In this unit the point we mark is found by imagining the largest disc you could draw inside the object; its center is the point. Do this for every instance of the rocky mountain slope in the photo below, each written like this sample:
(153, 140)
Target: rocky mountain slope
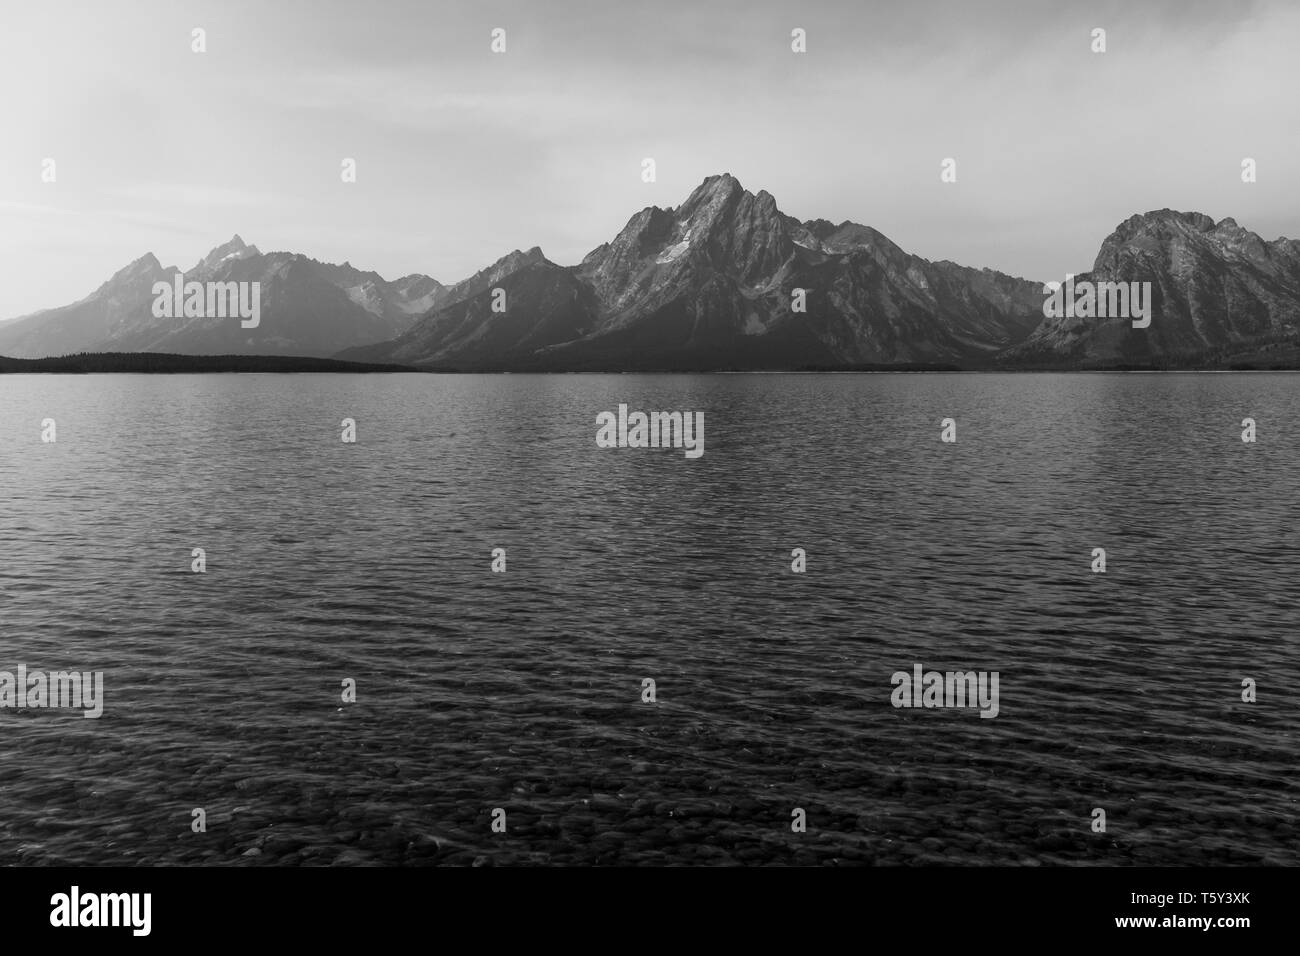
(1216, 289)
(712, 284)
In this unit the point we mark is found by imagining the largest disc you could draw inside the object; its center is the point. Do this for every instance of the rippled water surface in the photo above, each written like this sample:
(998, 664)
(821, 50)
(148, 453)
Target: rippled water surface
(522, 690)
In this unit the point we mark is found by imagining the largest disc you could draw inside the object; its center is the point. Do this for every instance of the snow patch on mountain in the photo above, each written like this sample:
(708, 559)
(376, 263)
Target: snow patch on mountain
(676, 252)
(367, 296)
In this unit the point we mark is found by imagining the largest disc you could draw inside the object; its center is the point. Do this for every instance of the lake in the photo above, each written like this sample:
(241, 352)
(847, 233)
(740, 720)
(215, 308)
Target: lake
(372, 562)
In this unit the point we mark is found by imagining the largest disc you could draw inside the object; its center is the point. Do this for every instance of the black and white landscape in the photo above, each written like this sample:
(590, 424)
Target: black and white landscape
(958, 587)
(707, 286)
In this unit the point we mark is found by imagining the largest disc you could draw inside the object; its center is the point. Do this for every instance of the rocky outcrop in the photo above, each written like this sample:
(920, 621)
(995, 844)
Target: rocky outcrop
(1216, 289)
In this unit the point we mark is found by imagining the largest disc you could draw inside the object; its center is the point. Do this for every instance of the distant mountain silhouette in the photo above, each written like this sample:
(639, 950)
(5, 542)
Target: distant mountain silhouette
(308, 308)
(713, 285)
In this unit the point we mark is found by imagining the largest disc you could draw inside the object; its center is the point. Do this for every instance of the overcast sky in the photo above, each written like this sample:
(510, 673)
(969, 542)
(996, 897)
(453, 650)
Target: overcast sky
(463, 155)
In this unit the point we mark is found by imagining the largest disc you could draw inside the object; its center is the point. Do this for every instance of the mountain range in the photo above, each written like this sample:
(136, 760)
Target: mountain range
(309, 308)
(717, 283)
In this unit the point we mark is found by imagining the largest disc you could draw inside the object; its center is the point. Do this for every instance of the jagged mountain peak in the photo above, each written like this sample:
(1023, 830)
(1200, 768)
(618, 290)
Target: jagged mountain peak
(417, 280)
(1162, 221)
(236, 244)
(146, 264)
(717, 184)
(516, 257)
(513, 261)
(712, 197)
(236, 248)
(509, 264)
(1155, 230)
(824, 228)
(713, 207)
(141, 272)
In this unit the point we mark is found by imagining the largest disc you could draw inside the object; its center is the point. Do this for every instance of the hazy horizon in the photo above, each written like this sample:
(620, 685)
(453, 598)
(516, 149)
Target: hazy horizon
(464, 155)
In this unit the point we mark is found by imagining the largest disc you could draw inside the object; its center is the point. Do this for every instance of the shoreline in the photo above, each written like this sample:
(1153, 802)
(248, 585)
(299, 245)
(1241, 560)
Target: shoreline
(156, 363)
